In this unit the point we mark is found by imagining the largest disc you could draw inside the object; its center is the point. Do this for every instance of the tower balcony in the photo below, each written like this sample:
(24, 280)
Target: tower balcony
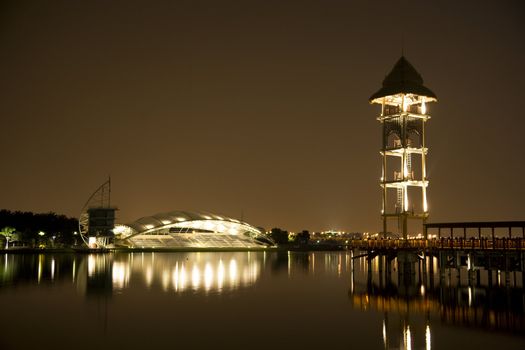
(413, 105)
(398, 152)
(404, 183)
(410, 214)
(385, 117)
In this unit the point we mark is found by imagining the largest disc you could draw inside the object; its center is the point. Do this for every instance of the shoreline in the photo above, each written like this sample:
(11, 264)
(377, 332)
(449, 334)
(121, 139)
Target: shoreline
(84, 250)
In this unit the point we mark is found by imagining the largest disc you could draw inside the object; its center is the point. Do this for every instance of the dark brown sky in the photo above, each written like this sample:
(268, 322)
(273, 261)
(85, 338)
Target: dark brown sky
(259, 106)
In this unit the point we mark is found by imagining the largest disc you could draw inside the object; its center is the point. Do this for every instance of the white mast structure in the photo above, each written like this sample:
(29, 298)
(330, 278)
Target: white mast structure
(404, 112)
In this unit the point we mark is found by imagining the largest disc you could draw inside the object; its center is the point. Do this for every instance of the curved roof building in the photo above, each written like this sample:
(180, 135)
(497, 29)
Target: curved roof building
(183, 229)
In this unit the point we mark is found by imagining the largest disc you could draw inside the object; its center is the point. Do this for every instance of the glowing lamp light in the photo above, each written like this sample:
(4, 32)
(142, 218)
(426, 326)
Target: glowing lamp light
(41, 233)
(119, 229)
(423, 107)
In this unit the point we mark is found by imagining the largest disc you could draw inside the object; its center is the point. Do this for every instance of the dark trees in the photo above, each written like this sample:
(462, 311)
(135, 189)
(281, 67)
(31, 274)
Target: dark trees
(279, 236)
(28, 225)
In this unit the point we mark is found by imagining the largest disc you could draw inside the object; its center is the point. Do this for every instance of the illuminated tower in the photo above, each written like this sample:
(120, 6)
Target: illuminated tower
(403, 100)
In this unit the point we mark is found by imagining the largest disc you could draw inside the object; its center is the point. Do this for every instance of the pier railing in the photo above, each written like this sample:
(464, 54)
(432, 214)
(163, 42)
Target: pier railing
(443, 243)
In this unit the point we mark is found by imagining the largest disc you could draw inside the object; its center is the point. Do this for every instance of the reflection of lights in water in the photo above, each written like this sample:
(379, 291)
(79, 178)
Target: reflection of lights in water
(165, 280)
(195, 277)
(255, 272)
(182, 278)
(469, 296)
(208, 276)
(427, 338)
(149, 276)
(40, 259)
(120, 275)
(245, 275)
(52, 269)
(175, 277)
(422, 290)
(193, 271)
(384, 332)
(220, 275)
(289, 263)
(408, 338)
(233, 272)
(352, 271)
(204, 276)
(74, 269)
(91, 265)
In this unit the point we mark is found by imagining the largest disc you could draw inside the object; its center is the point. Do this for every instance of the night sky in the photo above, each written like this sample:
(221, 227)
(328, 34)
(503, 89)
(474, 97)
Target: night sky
(258, 107)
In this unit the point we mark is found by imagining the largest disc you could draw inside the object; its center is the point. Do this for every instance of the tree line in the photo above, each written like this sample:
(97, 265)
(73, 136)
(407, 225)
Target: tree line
(34, 229)
(281, 237)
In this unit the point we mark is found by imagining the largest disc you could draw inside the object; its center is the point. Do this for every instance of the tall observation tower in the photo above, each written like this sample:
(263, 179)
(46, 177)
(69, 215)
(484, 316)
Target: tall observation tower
(403, 100)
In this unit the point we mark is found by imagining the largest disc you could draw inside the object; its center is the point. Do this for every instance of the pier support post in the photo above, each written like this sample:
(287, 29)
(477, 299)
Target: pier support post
(407, 261)
(441, 261)
(380, 266)
(471, 271)
(507, 273)
(431, 272)
(388, 275)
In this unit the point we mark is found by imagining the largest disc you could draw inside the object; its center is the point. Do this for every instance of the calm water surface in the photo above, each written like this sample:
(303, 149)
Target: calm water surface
(252, 300)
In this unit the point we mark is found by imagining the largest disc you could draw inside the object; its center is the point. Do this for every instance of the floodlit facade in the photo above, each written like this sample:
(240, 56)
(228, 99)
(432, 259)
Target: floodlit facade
(404, 112)
(181, 229)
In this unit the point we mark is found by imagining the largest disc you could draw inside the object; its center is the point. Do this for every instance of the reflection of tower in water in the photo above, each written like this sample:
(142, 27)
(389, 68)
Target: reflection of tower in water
(414, 292)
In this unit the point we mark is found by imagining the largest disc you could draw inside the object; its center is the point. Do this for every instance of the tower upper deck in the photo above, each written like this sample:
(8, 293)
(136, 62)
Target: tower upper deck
(403, 86)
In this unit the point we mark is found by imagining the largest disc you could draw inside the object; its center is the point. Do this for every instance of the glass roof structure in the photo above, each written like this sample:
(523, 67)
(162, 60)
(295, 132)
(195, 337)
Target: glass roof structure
(181, 229)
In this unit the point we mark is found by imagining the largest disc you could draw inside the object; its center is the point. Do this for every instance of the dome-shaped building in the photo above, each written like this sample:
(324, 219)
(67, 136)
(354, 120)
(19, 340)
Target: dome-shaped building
(183, 229)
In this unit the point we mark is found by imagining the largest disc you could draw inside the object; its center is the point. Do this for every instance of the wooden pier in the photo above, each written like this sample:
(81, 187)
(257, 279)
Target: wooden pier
(473, 236)
(459, 243)
(479, 228)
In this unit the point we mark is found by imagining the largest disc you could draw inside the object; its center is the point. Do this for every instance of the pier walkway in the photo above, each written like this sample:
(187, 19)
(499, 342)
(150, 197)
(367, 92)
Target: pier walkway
(495, 235)
(439, 244)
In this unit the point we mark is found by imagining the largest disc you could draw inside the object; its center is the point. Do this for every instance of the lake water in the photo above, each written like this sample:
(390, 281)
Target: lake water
(247, 300)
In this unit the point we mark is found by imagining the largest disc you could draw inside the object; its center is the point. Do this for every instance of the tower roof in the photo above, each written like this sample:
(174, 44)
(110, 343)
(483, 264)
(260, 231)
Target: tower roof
(403, 79)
